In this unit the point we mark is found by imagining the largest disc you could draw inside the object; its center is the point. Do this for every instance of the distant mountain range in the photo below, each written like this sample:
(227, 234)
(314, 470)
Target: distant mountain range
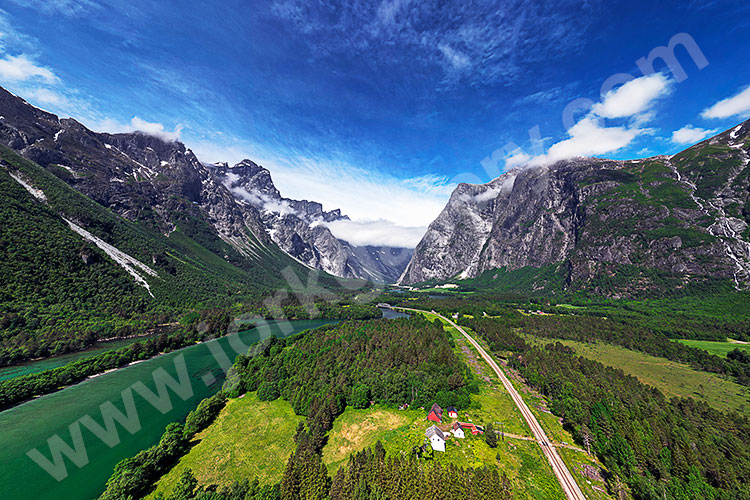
(590, 221)
(186, 230)
(163, 185)
(298, 227)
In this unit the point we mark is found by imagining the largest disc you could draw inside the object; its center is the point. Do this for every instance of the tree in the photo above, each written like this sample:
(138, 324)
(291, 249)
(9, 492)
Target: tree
(360, 396)
(185, 488)
(586, 437)
(268, 391)
(490, 436)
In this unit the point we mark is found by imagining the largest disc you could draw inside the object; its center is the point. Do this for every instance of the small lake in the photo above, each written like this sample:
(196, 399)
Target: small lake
(32, 424)
(392, 313)
(57, 361)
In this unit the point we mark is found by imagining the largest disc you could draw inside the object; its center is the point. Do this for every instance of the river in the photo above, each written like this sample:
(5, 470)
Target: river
(57, 417)
(392, 313)
(56, 361)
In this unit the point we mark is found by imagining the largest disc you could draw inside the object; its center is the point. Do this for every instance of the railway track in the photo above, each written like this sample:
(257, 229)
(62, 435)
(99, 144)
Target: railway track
(569, 486)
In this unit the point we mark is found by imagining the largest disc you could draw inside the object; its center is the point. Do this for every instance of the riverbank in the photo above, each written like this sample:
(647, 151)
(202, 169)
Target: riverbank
(38, 365)
(59, 413)
(18, 390)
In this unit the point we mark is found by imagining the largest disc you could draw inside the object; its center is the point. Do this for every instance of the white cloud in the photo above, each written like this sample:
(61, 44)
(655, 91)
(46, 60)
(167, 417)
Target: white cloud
(632, 101)
(376, 232)
(389, 9)
(689, 134)
(516, 158)
(11, 38)
(47, 96)
(156, 129)
(65, 7)
(457, 59)
(137, 124)
(737, 105)
(633, 98)
(362, 194)
(588, 137)
(20, 68)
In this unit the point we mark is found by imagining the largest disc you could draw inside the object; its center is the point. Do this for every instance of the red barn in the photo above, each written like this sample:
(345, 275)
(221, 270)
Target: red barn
(435, 414)
(468, 426)
(452, 412)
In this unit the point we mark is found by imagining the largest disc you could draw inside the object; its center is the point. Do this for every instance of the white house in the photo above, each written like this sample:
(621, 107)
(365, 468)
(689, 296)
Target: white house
(436, 437)
(458, 431)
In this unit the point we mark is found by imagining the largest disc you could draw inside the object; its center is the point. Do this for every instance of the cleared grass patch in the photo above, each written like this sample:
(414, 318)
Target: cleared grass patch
(250, 438)
(493, 401)
(355, 430)
(717, 348)
(671, 378)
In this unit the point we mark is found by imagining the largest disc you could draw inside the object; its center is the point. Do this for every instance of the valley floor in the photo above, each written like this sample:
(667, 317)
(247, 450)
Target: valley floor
(252, 439)
(671, 378)
(500, 409)
(717, 348)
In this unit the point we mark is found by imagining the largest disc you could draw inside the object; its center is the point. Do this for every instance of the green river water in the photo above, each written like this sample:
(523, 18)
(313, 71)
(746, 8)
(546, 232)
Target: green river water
(30, 425)
(57, 361)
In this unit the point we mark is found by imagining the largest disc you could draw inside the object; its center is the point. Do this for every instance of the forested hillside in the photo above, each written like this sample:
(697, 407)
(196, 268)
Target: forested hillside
(61, 291)
(659, 448)
(389, 362)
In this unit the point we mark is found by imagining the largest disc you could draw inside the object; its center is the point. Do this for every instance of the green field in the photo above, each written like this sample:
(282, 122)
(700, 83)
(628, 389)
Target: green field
(671, 378)
(355, 430)
(249, 439)
(717, 348)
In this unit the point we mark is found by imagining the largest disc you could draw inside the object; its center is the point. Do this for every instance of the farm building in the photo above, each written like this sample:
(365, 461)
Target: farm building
(435, 414)
(452, 412)
(458, 431)
(468, 426)
(436, 437)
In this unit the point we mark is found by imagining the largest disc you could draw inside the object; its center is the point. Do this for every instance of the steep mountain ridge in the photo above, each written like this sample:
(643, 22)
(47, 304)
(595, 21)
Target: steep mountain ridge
(685, 215)
(141, 177)
(163, 185)
(74, 271)
(299, 227)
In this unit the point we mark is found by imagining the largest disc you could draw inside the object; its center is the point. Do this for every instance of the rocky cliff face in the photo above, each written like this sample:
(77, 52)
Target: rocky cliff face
(162, 184)
(298, 227)
(685, 215)
(141, 177)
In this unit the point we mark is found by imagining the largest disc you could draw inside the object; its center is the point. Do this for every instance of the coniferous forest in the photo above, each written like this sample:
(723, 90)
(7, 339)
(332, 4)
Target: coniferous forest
(652, 447)
(660, 448)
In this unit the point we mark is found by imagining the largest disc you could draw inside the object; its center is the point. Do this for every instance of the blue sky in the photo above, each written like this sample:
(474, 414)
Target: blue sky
(379, 108)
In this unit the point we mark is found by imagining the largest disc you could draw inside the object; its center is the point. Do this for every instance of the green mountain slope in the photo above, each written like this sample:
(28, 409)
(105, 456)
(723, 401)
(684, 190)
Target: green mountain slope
(61, 292)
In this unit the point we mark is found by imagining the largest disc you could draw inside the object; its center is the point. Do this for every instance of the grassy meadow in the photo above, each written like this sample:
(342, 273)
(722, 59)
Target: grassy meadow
(671, 378)
(250, 438)
(717, 348)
